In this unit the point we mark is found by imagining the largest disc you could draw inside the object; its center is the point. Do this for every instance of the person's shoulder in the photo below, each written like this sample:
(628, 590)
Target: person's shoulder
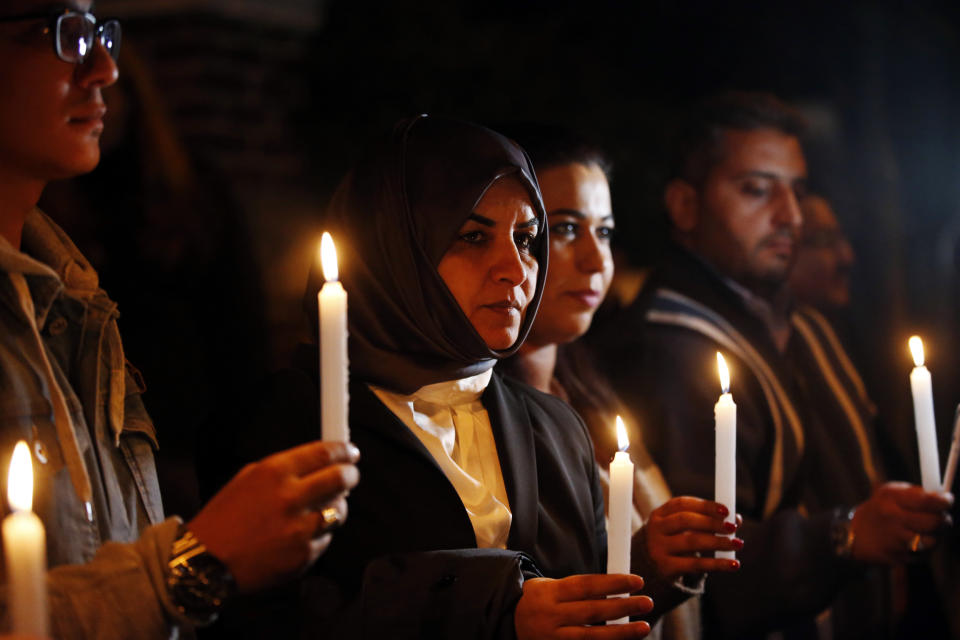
(546, 411)
(532, 396)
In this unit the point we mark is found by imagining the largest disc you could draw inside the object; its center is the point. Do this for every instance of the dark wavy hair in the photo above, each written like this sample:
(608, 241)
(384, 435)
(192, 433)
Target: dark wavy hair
(551, 145)
(698, 141)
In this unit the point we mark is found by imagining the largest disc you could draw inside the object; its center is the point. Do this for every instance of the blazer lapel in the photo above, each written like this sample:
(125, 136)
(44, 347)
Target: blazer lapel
(372, 415)
(516, 449)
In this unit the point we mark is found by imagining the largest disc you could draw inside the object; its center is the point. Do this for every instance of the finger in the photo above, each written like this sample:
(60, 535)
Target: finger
(922, 521)
(692, 521)
(926, 543)
(317, 548)
(597, 611)
(332, 516)
(312, 456)
(694, 564)
(325, 485)
(696, 505)
(913, 498)
(595, 585)
(692, 542)
(638, 629)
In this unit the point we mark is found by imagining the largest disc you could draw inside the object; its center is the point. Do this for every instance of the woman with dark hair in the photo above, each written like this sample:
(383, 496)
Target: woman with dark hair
(670, 532)
(473, 486)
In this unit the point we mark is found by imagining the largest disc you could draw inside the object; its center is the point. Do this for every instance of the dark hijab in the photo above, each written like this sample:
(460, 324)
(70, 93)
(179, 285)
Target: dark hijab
(393, 218)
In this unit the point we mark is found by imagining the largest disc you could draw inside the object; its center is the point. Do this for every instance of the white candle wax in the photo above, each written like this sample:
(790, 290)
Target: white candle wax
(922, 389)
(725, 465)
(332, 303)
(619, 510)
(24, 547)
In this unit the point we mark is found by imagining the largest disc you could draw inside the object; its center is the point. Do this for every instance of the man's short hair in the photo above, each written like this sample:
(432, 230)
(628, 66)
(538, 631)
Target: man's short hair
(698, 146)
(553, 145)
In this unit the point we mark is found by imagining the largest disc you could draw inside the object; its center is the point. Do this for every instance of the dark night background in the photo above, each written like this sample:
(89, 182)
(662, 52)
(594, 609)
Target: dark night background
(234, 120)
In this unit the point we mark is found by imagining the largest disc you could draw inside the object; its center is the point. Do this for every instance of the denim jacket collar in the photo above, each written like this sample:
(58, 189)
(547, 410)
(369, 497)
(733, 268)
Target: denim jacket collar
(51, 264)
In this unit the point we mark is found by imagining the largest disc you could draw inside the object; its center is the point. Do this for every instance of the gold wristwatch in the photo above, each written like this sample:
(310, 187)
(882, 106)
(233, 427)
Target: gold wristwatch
(198, 582)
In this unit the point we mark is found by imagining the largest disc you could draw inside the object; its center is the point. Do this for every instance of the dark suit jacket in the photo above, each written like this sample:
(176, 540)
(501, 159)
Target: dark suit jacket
(666, 374)
(405, 563)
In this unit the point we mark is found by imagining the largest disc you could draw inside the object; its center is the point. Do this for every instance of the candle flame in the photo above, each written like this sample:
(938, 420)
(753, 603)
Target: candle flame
(328, 258)
(622, 440)
(916, 348)
(724, 373)
(20, 479)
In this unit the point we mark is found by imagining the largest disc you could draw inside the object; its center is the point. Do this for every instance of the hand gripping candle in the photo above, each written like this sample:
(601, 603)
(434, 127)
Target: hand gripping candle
(922, 389)
(332, 304)
(725, 466)
(24, 545)
(619, 531)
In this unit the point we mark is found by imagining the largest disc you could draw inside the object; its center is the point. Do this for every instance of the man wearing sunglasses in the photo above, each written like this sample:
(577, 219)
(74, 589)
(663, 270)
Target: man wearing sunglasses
(118, 569)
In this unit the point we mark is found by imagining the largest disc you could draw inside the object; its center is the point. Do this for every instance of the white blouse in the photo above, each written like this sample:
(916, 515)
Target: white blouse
(452, 424)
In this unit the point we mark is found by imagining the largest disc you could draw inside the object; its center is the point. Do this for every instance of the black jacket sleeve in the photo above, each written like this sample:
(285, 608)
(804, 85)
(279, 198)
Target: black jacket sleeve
(464, 593)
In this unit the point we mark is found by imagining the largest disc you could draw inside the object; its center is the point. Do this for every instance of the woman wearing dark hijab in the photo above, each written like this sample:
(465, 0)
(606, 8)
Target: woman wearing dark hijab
(472, 486)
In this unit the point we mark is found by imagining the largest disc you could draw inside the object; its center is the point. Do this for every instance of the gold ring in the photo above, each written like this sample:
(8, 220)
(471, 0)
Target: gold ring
(916, 545)
(331, 518)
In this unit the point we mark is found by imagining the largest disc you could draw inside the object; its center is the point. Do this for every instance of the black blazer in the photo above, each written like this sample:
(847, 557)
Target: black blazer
(404, 510)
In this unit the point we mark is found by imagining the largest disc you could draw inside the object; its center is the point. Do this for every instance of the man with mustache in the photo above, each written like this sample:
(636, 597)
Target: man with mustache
(817, 520)
(119, 568)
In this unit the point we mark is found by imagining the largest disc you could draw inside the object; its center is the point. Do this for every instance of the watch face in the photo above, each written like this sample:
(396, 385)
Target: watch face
(198, 582)
(841, 534)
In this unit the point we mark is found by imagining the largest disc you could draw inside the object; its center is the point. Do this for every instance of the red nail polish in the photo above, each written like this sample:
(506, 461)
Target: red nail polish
(729, 527)
(735, 564)
(738, 543)
(722, 510)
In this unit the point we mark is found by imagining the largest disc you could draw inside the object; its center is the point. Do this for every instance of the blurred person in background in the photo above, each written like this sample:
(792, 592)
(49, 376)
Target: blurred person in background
(820, 522)
(821, 275)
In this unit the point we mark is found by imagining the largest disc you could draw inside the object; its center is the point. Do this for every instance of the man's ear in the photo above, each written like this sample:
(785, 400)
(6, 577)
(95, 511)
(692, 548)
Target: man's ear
(681, 201)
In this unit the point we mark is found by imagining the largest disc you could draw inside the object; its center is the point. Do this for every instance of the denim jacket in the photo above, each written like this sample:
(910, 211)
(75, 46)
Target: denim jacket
(67, 390)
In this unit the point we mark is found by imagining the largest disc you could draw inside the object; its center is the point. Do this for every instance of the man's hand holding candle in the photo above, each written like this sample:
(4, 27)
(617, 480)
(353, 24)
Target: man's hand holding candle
(268, 522)
(885, 526)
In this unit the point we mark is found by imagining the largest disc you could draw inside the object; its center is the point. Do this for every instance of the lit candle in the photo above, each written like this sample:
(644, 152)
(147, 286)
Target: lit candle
(24, 545)
(332, 302)
(725, 465)
(619, 510)
(922, 390)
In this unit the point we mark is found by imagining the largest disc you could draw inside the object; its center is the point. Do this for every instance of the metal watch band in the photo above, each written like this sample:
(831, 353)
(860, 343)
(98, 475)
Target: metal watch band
(198, 582)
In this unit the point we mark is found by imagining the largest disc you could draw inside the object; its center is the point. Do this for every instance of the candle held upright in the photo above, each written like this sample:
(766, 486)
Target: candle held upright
(619, 529)
(24, 546)
(922, 389)
(332, 304)
(725, 466)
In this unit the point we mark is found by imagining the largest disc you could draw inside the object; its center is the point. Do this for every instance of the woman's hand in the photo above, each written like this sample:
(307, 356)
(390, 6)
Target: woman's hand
(562, 608)
(684, 526)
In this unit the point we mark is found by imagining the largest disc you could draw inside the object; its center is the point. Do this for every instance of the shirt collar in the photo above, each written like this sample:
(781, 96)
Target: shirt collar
(774, 315)
(454, 392)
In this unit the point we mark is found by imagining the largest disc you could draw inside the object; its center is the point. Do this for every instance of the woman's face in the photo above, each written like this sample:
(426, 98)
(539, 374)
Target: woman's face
(490, 268)
(577, 200)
